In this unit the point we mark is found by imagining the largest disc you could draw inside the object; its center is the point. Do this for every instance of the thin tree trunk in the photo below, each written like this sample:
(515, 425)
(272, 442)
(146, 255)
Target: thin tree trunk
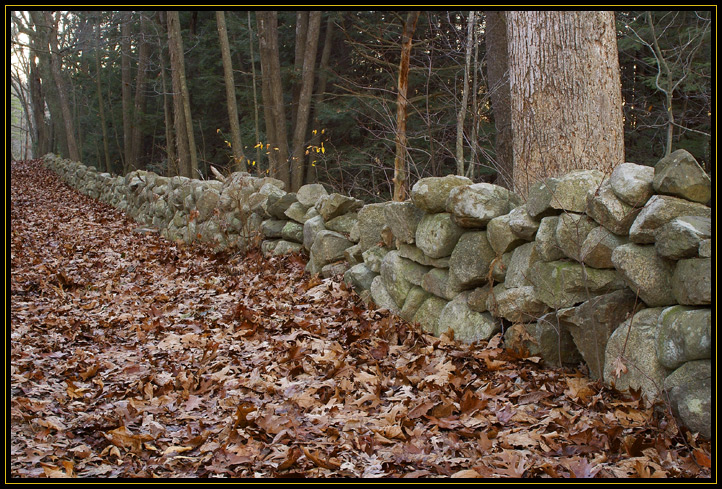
(101, 105)
(461, 116)
(565, 93)
(302, 17)
(172, 165)
(239, 158)
(139, 104)
(400, 165)
(181, 130)
(255, 96)
(497, 70)
(304, 101)
(125, 91)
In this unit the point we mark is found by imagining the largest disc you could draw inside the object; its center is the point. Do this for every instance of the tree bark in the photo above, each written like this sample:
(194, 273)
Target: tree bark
(400, 166)
(273, 96)
(172, 167)
(461, 116)
(136, 142)
(255, 97)
(565, 93)
(304, 100)
(125, 91)
(302, 27)
(497, 72)
(101, 105)
(179, 77)
(239, 158)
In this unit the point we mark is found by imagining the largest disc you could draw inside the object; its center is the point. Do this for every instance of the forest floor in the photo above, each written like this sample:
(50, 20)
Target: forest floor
(135, 357)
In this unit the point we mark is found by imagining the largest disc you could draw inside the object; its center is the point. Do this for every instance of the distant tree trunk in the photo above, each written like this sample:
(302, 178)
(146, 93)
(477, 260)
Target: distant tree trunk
(101, 105)
(239, 158)
(55, 64)
(497, 72)
(255, 96)
(172, 165)
(320, 91)
(179, 122)
(37, 101)
(136, 142)
(304, 100)
(400, 166)
(299, 50)
(273, 95)
(565, 93)
(461, 116)
(125, 91)
(180, 87)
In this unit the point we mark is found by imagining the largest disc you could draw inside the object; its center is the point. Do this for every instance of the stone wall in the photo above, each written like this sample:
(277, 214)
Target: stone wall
(612, 270)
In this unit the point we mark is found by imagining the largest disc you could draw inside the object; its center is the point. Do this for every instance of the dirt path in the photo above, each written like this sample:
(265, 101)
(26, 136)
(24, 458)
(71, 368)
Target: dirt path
(135, 357)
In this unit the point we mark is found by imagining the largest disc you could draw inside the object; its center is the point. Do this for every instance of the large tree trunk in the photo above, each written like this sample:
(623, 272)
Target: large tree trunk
(55, 64)
(180, 89)
(302, 17)
(239, 158)
(136, 142)
(172, 167)
(37, 101)
(273, 96)
(179, 122)
(304, 100)
(565, 93)
(400, 165)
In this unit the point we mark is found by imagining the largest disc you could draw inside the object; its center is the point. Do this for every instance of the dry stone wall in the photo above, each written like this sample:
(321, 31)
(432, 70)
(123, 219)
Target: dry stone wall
(611, 270)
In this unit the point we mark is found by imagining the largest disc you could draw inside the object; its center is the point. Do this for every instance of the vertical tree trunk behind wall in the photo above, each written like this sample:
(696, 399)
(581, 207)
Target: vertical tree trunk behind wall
(179, 118)
(126, 90)
(139, 104)
(565, 93)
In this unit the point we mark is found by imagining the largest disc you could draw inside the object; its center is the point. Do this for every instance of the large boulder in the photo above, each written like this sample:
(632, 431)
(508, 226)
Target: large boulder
(680, 175)
(470, 260)
(521, 224)
(276, 206)
(522, 258)
(343, 223)
(473, 206)
(608, 210)
(373, 257)
(689, 389)
(430, 194)
(542, 339)
(273, 228)
(437, 235)
(468, 325)
(359, 277)
(309, 194)
(545, 241)
(292, 231)
(381, 296)
(661, 209)
(632, 183)
(439, 283)
(334, 205)
(414, 300)
(414, 253)
(593, 322)
(692, 281)
(371, 221)
(427, 315)
(565, 193)
(572, 230)
(207, 203)
(403, 218)
(598, 247)
(501, 236)
(311, 228)
(681, 237)
(328, 247)
(630, 360)
(684, 334)
(562, 284)
(515, 304)
(646, 273)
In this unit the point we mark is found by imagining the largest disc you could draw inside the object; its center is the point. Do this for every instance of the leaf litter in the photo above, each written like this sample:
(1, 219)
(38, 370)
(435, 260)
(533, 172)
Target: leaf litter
(135, 357)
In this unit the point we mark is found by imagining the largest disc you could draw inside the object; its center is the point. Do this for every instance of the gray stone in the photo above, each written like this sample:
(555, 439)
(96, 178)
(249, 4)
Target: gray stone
(470, 260)
(329, 247)
(333, 269)
(572, 230)
(414, 300)
(705, 248)
(477, 298)
(334, 205)
(546, 239)
(516, 304)
(684, 334)
(680, 237)
(437, 282)
(353, 255)
(571, 190)
(501, 238)
(539, 198)
(293, 231)
(522, 224)
(522, 258)
(276, 206)
(630, 360)
(371, 221)
(394, 267)
(690, 393)
(545, 340)
(413, 253)
(661, 209)
(468, 326)
(381, 296)
(632, 183)
(430, 194)
(608, 210)
(473, 206)
(403, 218)
(311, 228)
(309, 194)
(437, 235)
(593, 322)
(284, 247)
(206, 204)
(598, 247)
(427, 315)
(273, 228)
(692, 281)
(393, 273)
(342, 224)
(646, 273)
(562, 284)
(297, 212)
(680, 175)
(373, 257)
(500, 266)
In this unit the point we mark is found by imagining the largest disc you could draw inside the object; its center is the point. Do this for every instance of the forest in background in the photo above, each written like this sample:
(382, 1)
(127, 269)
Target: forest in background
(106, 88)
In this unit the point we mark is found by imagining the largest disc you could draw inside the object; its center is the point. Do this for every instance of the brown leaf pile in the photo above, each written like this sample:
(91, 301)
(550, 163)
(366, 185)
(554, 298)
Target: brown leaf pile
(135, 357)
